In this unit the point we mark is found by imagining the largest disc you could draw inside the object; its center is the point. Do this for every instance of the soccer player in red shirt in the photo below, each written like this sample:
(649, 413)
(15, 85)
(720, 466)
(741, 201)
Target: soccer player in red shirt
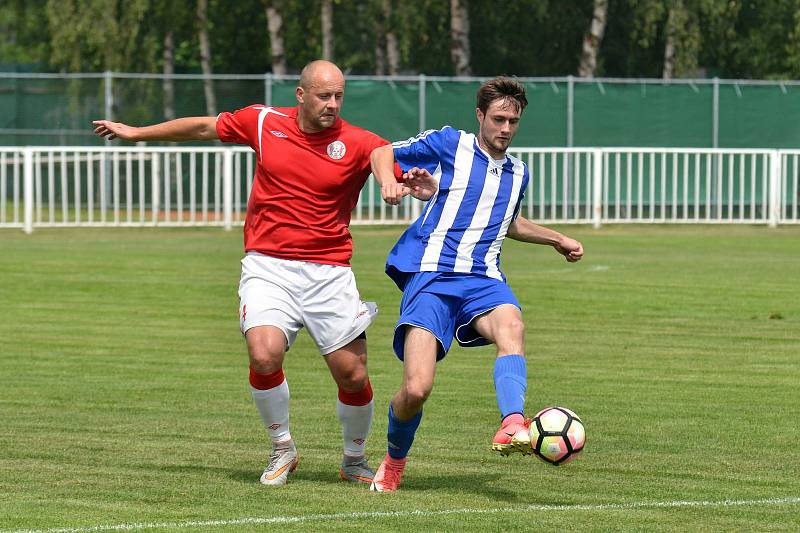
(296, 273)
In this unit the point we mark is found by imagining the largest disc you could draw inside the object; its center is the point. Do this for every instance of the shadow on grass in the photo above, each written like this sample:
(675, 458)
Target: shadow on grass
(486, 485)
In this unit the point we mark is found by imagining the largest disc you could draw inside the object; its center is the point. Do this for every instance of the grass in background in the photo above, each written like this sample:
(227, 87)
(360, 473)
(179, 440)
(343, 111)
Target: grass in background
(124, 392)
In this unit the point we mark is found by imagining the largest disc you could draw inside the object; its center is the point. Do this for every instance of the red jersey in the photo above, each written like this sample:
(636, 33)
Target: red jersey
(306, 184)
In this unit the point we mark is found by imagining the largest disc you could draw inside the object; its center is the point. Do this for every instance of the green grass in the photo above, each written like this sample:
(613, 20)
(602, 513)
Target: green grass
(124, 399)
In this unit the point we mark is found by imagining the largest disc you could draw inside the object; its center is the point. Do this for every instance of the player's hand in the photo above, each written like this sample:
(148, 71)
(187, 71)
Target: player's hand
(112, 130)
(421, 184)
(393, 192)
(571, 249)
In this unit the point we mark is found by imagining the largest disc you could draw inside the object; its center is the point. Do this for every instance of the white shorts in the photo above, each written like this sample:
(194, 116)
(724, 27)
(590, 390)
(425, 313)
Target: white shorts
(292, 294)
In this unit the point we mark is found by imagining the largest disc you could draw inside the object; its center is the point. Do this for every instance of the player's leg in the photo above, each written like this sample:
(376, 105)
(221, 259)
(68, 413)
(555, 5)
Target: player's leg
(504, 327)
(405, 410)
(267, 313)
(266, 346)
(336, 319)
(354, 406)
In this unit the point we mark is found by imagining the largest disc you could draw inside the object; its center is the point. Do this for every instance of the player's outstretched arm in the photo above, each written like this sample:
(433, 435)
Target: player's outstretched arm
(524, 230)
(181, 129)
(382, 161)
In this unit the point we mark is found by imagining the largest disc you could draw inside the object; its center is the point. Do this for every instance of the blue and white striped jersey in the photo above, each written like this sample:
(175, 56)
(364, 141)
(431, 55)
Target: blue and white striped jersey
(463, 225)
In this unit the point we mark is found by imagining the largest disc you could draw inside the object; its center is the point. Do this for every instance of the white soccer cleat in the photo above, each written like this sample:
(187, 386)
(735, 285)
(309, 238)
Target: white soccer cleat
(284, 459)
(356, 470)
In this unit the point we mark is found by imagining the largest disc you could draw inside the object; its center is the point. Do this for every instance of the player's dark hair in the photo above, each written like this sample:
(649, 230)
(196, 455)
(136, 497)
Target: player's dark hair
(504, 88)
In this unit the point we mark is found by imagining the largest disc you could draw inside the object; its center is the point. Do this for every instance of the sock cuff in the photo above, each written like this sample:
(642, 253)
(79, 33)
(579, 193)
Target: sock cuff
(413, 422)
(357, 398)
(266, 381)
(510, 364)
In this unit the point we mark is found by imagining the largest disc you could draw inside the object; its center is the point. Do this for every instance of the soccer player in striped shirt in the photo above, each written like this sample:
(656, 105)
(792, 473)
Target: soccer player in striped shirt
(447, 264)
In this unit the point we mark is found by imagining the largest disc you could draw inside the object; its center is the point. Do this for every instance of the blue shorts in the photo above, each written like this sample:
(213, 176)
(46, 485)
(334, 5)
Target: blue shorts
(445, 304)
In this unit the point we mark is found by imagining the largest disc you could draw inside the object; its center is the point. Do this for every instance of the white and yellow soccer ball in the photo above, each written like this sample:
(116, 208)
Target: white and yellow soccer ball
(557, 435)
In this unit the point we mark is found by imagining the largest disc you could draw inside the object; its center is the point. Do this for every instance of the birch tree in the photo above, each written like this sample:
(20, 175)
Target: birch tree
(326, 15)
(682, 41)
(387, 52)
(205, 57)
(592, 40)
(275, 29)
(459, 37)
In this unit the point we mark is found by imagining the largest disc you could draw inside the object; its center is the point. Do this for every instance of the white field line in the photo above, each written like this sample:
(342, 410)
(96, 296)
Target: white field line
(791, 500)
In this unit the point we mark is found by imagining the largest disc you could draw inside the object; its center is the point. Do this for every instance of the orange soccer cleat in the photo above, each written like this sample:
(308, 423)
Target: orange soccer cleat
(513, 436)
(389, 474)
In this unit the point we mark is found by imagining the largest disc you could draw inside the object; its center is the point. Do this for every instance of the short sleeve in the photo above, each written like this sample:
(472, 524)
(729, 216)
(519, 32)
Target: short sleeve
(423, 151)
(240, 127)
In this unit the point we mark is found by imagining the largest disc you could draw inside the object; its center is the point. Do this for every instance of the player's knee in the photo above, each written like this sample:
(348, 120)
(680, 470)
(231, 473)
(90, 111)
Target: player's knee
(265, 360)
(510, 336)
(416, 394)
(354, 380)
(515, 328)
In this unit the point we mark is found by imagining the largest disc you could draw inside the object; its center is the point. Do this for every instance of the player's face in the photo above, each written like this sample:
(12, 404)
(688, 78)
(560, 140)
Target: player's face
(321, 102)
(498, 126)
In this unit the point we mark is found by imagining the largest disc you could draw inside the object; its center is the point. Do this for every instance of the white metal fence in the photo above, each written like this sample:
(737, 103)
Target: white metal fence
(209, 186)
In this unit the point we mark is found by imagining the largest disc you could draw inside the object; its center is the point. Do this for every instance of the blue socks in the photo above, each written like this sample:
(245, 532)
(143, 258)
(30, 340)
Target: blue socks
(510, 384)
(401, 434)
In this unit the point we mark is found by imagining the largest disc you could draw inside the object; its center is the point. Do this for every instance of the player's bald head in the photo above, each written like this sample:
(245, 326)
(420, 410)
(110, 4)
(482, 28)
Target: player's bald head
(320, 72)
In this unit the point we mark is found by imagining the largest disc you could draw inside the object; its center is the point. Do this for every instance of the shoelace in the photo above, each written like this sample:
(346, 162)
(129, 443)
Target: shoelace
(360, 464)
(273, 459)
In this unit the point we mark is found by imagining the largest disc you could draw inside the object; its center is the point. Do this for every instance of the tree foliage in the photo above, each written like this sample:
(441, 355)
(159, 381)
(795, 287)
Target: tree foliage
(727, 38)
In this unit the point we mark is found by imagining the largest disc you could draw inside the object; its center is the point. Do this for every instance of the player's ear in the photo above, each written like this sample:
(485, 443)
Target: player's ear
(479, 114)
(298, 93)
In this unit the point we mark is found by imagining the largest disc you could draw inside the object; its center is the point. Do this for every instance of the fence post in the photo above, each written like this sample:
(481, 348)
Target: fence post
(422, 103)
(715, 114)
(570, 110)
(227, 188)
(108, 78)
(268, 89)
(775, 170)
(597, 187)
(155, 186)
(27, 176)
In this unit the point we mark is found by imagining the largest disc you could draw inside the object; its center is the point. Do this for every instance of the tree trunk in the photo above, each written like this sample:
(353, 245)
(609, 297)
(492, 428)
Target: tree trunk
(673, 19)
(169, 71)
(205, 56)
(459, 37)
(669, 51)
(682, 41)
(380, 51)
(327, 29)
(592, 40)
(392, 50)
(275, 29)
(387, 54)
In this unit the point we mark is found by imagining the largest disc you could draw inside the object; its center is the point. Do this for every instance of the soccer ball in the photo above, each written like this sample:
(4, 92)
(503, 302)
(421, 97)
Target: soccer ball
(557, 435)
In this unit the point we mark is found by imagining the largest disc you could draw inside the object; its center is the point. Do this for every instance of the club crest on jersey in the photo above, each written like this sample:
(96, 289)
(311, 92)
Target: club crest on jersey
(336, 150)
(277, 133)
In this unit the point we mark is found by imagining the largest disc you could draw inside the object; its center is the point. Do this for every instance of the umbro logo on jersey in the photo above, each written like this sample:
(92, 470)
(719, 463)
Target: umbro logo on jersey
(277, 133)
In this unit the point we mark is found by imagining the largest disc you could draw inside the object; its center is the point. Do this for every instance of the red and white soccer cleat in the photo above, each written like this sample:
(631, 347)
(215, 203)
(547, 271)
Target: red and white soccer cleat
(513, 436)
(389, 474)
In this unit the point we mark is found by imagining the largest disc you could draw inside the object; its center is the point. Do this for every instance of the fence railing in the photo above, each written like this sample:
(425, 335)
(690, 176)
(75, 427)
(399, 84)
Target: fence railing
(209, 186)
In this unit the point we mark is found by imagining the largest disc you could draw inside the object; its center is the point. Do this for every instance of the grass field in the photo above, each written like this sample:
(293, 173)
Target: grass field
(124, 402)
